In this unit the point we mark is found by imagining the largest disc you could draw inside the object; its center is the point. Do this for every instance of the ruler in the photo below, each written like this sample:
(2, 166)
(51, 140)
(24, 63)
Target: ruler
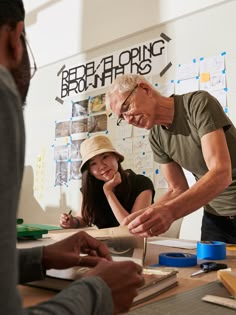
(231, 303)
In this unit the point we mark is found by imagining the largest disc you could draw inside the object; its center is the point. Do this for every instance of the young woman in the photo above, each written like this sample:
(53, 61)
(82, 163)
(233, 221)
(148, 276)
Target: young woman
(109, 192)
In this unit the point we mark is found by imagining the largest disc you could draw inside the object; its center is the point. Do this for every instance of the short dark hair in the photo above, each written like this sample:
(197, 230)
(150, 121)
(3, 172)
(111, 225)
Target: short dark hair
(11, 12)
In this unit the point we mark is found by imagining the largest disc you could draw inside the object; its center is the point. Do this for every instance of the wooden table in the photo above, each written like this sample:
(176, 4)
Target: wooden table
(32, 296)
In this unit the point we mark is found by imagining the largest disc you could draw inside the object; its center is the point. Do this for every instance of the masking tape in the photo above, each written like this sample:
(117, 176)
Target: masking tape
(231, 247)
(211, 250)
(177, 259)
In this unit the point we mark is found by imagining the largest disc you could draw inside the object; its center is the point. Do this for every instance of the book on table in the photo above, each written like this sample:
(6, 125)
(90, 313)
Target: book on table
(120, 242)
(122, 246)
(157, 281)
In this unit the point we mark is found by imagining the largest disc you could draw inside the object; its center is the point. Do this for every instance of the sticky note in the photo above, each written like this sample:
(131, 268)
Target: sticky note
(205, 77)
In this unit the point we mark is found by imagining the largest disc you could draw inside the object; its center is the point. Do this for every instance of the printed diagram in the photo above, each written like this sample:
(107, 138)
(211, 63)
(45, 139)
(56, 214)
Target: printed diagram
(140, 145)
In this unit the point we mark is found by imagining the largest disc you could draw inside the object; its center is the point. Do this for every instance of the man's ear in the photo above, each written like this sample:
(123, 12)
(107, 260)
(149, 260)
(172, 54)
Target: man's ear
(146, 88)
(15, 42)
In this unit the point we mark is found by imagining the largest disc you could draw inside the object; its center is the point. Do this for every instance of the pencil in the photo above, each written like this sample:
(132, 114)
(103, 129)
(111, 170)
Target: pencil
(68, 214)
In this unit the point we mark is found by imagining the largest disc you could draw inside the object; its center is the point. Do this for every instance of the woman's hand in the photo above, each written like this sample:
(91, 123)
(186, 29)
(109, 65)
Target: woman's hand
(111, 184)
(68, 221)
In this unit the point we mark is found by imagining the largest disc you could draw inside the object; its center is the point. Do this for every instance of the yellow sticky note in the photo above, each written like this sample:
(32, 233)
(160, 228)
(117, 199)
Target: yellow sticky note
(66, 140)
(205, 77)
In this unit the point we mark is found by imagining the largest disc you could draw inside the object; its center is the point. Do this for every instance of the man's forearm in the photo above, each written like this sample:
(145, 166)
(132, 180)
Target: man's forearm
(86, 296)
(30, 264)
(203, 191)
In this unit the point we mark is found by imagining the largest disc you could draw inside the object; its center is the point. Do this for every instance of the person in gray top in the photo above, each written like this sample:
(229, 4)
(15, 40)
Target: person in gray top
(109, 287)
(189, 131)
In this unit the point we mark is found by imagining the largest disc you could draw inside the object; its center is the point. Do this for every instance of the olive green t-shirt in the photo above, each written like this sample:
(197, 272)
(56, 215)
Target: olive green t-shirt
(196, 114)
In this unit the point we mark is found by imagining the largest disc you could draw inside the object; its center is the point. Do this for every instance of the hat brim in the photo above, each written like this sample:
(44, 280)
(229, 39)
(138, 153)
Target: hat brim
(97, 152)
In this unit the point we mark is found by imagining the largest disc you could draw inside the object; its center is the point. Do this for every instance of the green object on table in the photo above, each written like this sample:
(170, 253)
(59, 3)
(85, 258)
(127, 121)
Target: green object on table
(29, 232)
(44, 226)
(19, 221)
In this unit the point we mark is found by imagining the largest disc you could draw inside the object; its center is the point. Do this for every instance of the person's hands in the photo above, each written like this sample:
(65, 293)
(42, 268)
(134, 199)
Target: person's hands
(151, 221)
(68, 221)
(111, 184)
(123, 278)
(66, 253)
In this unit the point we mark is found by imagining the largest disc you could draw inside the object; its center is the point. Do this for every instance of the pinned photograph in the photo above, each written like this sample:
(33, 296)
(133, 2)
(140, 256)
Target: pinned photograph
(80, 108)
(97, 103)
(62, 129)
(75, 173)
(97, 123)
(61, 173)
(61, 153)
(78, 126)
(75, 149)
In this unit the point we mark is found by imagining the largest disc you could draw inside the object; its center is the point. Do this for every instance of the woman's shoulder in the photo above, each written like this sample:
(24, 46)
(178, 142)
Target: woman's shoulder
(139, 182)
(131, 173)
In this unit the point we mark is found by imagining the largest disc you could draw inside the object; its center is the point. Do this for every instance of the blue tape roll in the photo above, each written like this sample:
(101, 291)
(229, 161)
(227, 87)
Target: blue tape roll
(177, 259)
(211, 250)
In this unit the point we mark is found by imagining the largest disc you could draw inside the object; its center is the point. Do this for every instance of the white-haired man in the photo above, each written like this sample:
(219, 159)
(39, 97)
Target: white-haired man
(189, 131)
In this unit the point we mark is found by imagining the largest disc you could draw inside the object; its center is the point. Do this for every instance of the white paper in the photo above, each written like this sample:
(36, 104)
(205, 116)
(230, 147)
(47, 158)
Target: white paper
(186, 71)
(174, 243)
(212, 64)
(187, 85)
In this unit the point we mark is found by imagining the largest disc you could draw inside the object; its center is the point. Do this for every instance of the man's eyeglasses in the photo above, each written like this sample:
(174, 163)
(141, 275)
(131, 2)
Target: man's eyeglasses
(124, 109)
(33, 66)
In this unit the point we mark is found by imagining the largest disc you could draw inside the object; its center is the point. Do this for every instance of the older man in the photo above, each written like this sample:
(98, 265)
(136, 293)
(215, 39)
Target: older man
(189, 131)
(108, 288)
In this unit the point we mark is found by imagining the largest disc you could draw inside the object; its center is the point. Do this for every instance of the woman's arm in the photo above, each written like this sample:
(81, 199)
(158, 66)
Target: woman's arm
(144, 199)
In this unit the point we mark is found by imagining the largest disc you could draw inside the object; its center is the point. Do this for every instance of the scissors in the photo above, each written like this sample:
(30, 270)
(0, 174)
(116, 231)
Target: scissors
(209, 266)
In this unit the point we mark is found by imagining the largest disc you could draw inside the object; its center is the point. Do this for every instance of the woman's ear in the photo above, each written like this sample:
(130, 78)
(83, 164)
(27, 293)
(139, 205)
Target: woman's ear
(15, 42)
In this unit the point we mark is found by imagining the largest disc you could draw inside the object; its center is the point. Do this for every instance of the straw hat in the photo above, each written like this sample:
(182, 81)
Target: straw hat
(96, 145)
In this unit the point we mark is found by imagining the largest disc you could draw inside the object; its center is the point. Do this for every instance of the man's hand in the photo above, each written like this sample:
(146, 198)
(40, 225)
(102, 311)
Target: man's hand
(151, 221)
(66, 253)
(123, 278)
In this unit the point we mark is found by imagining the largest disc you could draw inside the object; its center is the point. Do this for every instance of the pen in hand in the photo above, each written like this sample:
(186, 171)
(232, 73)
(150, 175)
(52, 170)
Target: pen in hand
(68, 214)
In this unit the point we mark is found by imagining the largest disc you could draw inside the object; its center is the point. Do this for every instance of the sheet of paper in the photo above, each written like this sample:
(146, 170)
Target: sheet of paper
(174, 243)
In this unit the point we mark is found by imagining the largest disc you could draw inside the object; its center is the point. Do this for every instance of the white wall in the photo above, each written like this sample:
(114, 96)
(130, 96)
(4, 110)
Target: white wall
(197, 28)
(58, 29)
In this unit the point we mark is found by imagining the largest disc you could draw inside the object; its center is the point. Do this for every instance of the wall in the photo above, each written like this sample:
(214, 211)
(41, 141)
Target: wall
(58, 29)
(196, 29)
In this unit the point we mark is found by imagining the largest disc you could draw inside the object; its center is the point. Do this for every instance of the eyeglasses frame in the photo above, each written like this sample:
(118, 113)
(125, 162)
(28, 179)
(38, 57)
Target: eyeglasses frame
(34, 67)
(120, 118)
